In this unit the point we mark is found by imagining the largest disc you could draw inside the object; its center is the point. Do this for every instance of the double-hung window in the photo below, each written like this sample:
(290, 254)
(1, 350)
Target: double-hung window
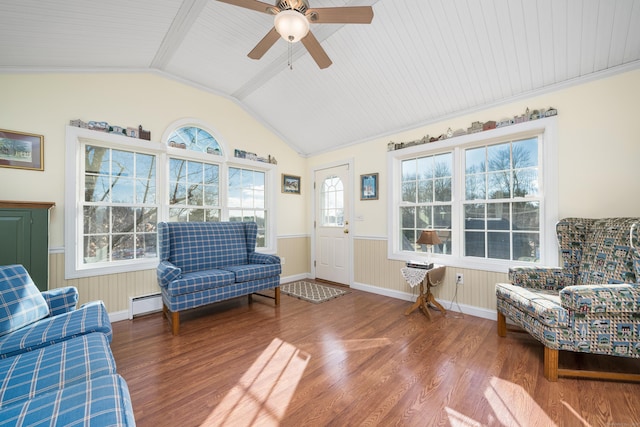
(490, 196)
(118, 188)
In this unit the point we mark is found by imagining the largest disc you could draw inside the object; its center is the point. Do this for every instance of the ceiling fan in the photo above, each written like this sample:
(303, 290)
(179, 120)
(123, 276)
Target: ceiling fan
(291, 22)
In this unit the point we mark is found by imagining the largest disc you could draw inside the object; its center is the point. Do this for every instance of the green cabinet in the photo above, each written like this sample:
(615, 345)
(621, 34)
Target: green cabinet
(24, 238)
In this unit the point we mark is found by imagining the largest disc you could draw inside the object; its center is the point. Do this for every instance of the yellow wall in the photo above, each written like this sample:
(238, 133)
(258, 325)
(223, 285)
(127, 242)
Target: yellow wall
(44, 104)
(598, 157)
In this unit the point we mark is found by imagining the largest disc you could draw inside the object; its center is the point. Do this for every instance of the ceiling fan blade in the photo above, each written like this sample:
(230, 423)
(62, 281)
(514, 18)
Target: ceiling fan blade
(341, 15)
(253, 5)
(316, 51)
(265, 44)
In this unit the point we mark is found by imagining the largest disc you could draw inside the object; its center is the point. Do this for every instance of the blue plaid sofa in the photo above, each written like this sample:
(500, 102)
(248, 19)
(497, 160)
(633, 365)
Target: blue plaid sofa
(56, 365)
(206, 262)
(590, 305)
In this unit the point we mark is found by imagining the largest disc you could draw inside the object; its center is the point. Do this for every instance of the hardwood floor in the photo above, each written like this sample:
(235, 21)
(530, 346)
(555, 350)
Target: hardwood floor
(355, 360)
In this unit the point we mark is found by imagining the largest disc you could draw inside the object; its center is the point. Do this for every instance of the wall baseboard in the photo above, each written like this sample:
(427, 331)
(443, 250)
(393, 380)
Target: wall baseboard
(294, 278)
(119, 316)
(405, 296)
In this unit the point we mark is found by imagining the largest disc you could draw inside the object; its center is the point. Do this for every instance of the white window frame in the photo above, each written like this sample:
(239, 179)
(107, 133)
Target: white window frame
(74, 140)
(545, 129)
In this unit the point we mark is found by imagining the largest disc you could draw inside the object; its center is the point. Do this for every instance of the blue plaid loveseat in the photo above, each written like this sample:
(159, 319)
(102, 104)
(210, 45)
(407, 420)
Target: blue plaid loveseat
(56, 365)
(206, 262)
(590, 305)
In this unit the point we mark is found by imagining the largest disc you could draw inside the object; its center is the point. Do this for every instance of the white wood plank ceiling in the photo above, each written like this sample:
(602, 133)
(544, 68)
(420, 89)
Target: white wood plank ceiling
(419, 61)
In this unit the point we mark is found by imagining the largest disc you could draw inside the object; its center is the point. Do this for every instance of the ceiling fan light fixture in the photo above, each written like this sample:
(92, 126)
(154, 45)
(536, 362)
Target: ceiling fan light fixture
(291, 25)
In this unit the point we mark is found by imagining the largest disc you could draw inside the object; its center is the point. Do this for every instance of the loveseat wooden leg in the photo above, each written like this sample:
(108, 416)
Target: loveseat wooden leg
(277, 295)
(551, 364)
(502, 325)
(173, 317)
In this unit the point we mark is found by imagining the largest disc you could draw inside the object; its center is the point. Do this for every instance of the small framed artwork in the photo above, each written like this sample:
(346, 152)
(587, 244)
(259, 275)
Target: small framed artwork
(21, 150)
(369, 186)
(290, 184)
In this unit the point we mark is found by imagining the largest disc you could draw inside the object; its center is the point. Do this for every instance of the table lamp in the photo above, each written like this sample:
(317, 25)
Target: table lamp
(429, 238)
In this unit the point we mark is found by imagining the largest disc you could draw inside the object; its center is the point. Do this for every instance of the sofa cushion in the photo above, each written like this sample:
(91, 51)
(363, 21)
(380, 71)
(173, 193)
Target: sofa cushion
(102, 401)
(543, 304)
(47, 369)
(199, 281)
(20, 300)
(246, 273)
(196, 246)
(91, 317)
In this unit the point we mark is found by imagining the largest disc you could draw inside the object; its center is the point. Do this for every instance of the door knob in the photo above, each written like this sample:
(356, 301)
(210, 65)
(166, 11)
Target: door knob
(346, 231)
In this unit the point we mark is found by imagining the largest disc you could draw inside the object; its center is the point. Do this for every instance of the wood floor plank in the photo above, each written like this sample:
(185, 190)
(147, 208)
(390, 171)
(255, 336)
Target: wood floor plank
(354, 360)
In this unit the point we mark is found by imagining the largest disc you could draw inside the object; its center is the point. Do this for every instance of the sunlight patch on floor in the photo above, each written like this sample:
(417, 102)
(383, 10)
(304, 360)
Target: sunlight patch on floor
(264, 392)
(513, 406)
(456, 419)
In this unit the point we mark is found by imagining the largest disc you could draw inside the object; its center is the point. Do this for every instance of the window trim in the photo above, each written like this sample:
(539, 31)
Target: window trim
(74, 139)
(545, 128)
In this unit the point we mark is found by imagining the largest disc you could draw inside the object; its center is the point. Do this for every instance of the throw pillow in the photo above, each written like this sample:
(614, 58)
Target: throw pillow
(21, 302)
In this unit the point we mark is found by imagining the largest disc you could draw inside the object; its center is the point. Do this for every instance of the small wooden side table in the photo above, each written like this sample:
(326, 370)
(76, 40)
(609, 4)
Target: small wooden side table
(419, 276)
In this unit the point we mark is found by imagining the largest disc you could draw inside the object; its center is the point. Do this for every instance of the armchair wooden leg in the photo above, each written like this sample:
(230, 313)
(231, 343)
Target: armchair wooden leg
(277, 295)
(502, 325)
(551, 364)
(175, 322)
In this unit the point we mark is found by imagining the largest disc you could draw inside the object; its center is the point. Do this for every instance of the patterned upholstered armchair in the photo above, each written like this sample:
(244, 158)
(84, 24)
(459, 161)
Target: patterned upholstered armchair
(591, 304)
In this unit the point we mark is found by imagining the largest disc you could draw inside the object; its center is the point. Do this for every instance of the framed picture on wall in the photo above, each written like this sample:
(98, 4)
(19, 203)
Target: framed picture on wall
(290, 184)
(21, 150)
(369, 186)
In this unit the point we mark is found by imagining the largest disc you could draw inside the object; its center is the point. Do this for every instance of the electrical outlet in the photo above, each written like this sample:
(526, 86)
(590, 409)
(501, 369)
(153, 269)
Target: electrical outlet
(459, 279)
(282, 261)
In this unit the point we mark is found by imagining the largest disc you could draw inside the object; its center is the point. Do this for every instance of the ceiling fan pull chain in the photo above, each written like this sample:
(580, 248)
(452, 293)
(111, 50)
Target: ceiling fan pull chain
(290, 56)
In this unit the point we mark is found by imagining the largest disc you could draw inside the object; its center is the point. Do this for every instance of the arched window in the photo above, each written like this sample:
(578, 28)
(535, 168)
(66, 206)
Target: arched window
(195, 139)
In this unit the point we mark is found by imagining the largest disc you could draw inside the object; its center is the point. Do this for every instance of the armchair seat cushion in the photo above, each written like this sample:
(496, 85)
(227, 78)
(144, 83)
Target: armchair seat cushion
(91, 317)
(542, 304)
(47, 369)
(619, 298)
(197, 281)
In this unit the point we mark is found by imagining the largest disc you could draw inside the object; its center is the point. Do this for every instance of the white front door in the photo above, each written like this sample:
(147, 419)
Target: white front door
(332, 258)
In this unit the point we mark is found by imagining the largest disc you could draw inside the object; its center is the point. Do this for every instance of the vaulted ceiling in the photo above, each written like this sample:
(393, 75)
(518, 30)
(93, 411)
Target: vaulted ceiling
(418, 62)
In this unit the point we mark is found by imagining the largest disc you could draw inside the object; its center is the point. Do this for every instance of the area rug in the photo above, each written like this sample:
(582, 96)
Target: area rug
(312, 292)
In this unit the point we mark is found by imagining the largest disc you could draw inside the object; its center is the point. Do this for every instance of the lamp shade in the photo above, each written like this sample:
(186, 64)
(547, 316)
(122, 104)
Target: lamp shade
(291, 25)
(429, 237)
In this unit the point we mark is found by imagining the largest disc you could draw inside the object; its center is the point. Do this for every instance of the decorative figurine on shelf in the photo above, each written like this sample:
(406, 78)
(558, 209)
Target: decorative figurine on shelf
(78, 123)
(491, 124)
(449, 133)
(132, 132)
(144, 134)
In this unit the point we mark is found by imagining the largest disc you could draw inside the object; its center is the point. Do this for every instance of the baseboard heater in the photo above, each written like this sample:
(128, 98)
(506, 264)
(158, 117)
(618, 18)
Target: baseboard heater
(144, 304)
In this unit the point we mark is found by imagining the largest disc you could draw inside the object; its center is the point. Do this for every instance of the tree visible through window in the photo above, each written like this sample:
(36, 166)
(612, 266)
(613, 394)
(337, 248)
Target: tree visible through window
(426, 200)
(502, 210)
(120, 205)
